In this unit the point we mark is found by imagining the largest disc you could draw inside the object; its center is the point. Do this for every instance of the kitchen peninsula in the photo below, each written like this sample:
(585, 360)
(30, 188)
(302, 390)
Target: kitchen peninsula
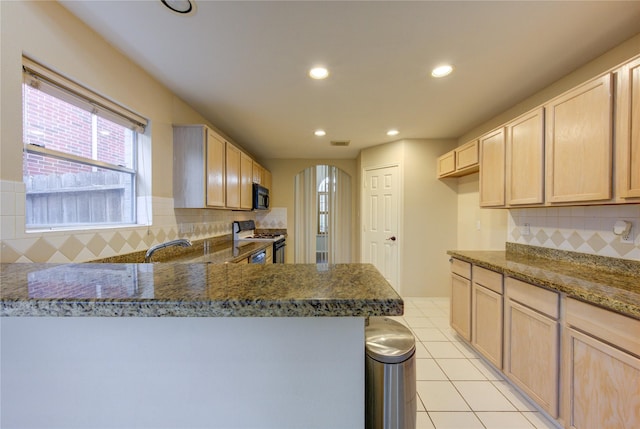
(187, 345)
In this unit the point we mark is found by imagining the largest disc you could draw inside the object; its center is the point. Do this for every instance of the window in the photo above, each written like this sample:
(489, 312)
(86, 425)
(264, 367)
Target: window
(323, 211)
(79, 154)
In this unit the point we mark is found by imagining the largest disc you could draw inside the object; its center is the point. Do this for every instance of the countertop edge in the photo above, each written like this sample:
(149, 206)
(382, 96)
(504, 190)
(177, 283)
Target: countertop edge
(609, 299)
(319, 308)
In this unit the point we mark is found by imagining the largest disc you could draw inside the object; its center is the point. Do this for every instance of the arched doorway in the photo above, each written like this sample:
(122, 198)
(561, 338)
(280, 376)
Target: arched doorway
(322, 215)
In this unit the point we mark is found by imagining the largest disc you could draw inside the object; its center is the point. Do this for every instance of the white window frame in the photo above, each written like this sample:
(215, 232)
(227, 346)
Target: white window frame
(62, 88)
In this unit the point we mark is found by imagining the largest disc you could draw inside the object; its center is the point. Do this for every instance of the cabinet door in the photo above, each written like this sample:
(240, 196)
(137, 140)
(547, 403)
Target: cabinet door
(492, 153)
(603, 384)
(531, 354)
(628, 131)
(525, 159)
(467, 155)
(266, 178)
(446, 164)
(460, 314)
(246, 181)
(233, 176)
(486, 314)
(216, 161)
(257, 173)
(579, 144)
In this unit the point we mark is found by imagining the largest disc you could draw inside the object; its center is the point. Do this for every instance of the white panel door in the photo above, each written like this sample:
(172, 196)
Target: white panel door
(380, 222)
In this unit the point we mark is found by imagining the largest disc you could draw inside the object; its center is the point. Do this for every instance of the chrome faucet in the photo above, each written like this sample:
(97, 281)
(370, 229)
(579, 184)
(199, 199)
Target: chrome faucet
(179, 242)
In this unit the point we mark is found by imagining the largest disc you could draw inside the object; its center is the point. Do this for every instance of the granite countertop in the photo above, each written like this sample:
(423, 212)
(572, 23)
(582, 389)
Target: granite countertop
(607, 282)
(196, 290)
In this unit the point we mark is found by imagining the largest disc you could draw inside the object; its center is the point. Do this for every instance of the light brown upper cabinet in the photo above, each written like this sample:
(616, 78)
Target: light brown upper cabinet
(246, 181)
(257, 173)
(446, 164)
(261, 175)
(628, 131)
(579, 143)
(233, 176)
(525, 159)
(461, 161)
(492, 168)
(266, 180)
(199, 167)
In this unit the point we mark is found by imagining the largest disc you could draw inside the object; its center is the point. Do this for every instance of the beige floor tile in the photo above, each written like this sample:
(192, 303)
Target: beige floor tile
(423, 421)
(460, 369)
(412, 312)
(419, 405)
(435, 312)
(421, 351)
(504, 420)
(483, 396)
(466, 350)
(429, 334)
(539, 421)
(455, 420)
(514, 396)
(419, 322)
(441, 322)
(487, 370)
(443, 350)
(428, 369)
(440, 396)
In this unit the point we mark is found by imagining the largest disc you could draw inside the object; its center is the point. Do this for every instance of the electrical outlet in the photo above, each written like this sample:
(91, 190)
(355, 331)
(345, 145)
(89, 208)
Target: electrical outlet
(526, 229)
(629, 237)
(477, 225)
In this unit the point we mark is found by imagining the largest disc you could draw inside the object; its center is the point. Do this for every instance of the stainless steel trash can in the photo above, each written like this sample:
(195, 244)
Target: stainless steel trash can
(390, 379)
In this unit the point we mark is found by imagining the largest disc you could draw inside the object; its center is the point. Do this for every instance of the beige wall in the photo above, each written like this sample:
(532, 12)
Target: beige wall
(428, 213)
(283, 173)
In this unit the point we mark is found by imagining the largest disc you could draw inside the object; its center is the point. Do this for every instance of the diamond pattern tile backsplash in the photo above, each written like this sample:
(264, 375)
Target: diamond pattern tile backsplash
(578, 229)
(60, 246)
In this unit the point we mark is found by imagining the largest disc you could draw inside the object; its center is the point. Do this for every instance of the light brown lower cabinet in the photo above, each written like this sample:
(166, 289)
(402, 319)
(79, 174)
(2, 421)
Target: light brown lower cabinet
(602, 368)
(486, 314)
(460, 311)
(532, 342)
(580, 364)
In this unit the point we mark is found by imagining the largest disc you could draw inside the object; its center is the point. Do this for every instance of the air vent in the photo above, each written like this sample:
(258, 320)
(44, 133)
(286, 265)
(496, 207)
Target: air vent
(340, 142)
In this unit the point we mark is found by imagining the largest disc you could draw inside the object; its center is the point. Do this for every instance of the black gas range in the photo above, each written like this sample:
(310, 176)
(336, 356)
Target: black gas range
(244, 230)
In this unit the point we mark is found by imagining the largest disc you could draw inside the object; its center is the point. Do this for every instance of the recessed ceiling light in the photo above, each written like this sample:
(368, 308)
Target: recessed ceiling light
(393, 132)
(319, 73)
(442, 71)
(180, 6)
(320, 133)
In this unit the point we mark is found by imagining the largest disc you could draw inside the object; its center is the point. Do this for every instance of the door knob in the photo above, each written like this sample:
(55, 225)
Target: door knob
(392, 238)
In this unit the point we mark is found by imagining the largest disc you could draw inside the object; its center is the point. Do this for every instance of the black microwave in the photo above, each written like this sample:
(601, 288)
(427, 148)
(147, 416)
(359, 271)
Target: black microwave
(260, 197)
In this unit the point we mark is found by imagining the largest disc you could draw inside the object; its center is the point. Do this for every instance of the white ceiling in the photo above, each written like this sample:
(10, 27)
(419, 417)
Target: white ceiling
(243, 65)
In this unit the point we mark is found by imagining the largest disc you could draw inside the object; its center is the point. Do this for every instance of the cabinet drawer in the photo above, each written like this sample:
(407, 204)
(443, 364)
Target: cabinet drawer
(487, 278)
(614, 328)
(537, 298)
(461, 268)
